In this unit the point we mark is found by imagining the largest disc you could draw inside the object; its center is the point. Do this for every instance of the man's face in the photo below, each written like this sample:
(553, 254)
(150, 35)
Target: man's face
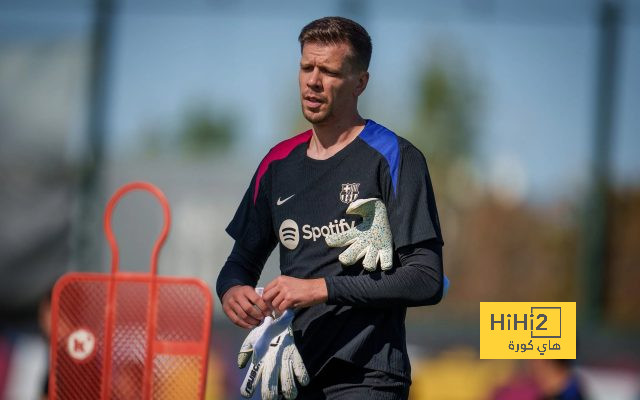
(329, 83)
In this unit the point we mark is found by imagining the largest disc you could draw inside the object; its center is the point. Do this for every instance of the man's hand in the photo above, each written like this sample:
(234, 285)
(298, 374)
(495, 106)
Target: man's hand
(244, 306)
(287, 292)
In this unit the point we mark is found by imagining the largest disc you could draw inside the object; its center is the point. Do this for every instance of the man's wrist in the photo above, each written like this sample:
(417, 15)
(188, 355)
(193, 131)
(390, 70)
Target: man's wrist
(330, 282)
(321, 293)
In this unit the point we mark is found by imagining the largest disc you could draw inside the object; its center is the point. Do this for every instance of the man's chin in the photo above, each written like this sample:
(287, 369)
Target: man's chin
(315, 118)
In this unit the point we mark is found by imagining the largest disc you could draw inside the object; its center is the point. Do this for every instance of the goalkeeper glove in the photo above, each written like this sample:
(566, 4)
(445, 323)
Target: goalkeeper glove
(274, 357)
(370, 239)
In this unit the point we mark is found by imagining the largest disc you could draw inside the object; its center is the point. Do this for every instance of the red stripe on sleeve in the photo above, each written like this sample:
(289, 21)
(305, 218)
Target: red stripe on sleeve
(278, 152)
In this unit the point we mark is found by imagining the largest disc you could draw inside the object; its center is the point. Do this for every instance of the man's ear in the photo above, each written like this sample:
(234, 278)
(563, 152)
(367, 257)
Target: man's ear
(363, 79)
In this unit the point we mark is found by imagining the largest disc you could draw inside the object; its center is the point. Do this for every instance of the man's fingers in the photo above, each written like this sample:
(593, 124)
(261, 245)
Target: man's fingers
(236, 320)
(258, 302)
(285, 304)
(268, 287)
(271, 291)
(286, 292)
(263, 306)
(234, 317)
(252, 296)
(268, 296)
(242, 315)
(277, 301)
(251, 311)
(239, 309)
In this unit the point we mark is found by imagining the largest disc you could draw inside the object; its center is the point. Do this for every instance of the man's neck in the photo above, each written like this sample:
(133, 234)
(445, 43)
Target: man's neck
(331, 137)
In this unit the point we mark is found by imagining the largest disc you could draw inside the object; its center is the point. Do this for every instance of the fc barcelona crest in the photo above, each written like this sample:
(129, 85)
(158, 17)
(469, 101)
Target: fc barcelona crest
(349, 192)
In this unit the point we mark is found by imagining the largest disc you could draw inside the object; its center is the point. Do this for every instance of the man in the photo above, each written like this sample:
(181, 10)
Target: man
(349, 323)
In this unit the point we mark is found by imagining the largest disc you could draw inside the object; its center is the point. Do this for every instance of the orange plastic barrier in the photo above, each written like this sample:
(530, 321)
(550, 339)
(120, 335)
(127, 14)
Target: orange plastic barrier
(129, 335)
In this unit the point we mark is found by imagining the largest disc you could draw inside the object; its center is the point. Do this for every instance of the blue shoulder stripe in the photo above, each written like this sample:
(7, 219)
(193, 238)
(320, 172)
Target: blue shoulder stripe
(384, 142)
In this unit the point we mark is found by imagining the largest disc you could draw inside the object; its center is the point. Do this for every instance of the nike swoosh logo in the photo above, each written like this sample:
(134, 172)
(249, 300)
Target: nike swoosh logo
(281, 202)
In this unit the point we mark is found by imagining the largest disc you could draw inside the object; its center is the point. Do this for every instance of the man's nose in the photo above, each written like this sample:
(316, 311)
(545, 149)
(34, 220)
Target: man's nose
(314, 79)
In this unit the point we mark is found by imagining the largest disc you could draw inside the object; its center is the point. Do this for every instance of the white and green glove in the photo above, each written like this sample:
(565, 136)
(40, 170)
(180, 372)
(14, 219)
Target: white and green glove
(370, 239)
(274, 358)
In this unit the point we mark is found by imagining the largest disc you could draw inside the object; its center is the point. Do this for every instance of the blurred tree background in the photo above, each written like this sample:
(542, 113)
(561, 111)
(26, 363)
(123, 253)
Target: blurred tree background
(493, 236)
(202, 132)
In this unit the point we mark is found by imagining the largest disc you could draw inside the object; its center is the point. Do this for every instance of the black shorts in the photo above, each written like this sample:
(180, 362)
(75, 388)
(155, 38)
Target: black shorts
(343, 380)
